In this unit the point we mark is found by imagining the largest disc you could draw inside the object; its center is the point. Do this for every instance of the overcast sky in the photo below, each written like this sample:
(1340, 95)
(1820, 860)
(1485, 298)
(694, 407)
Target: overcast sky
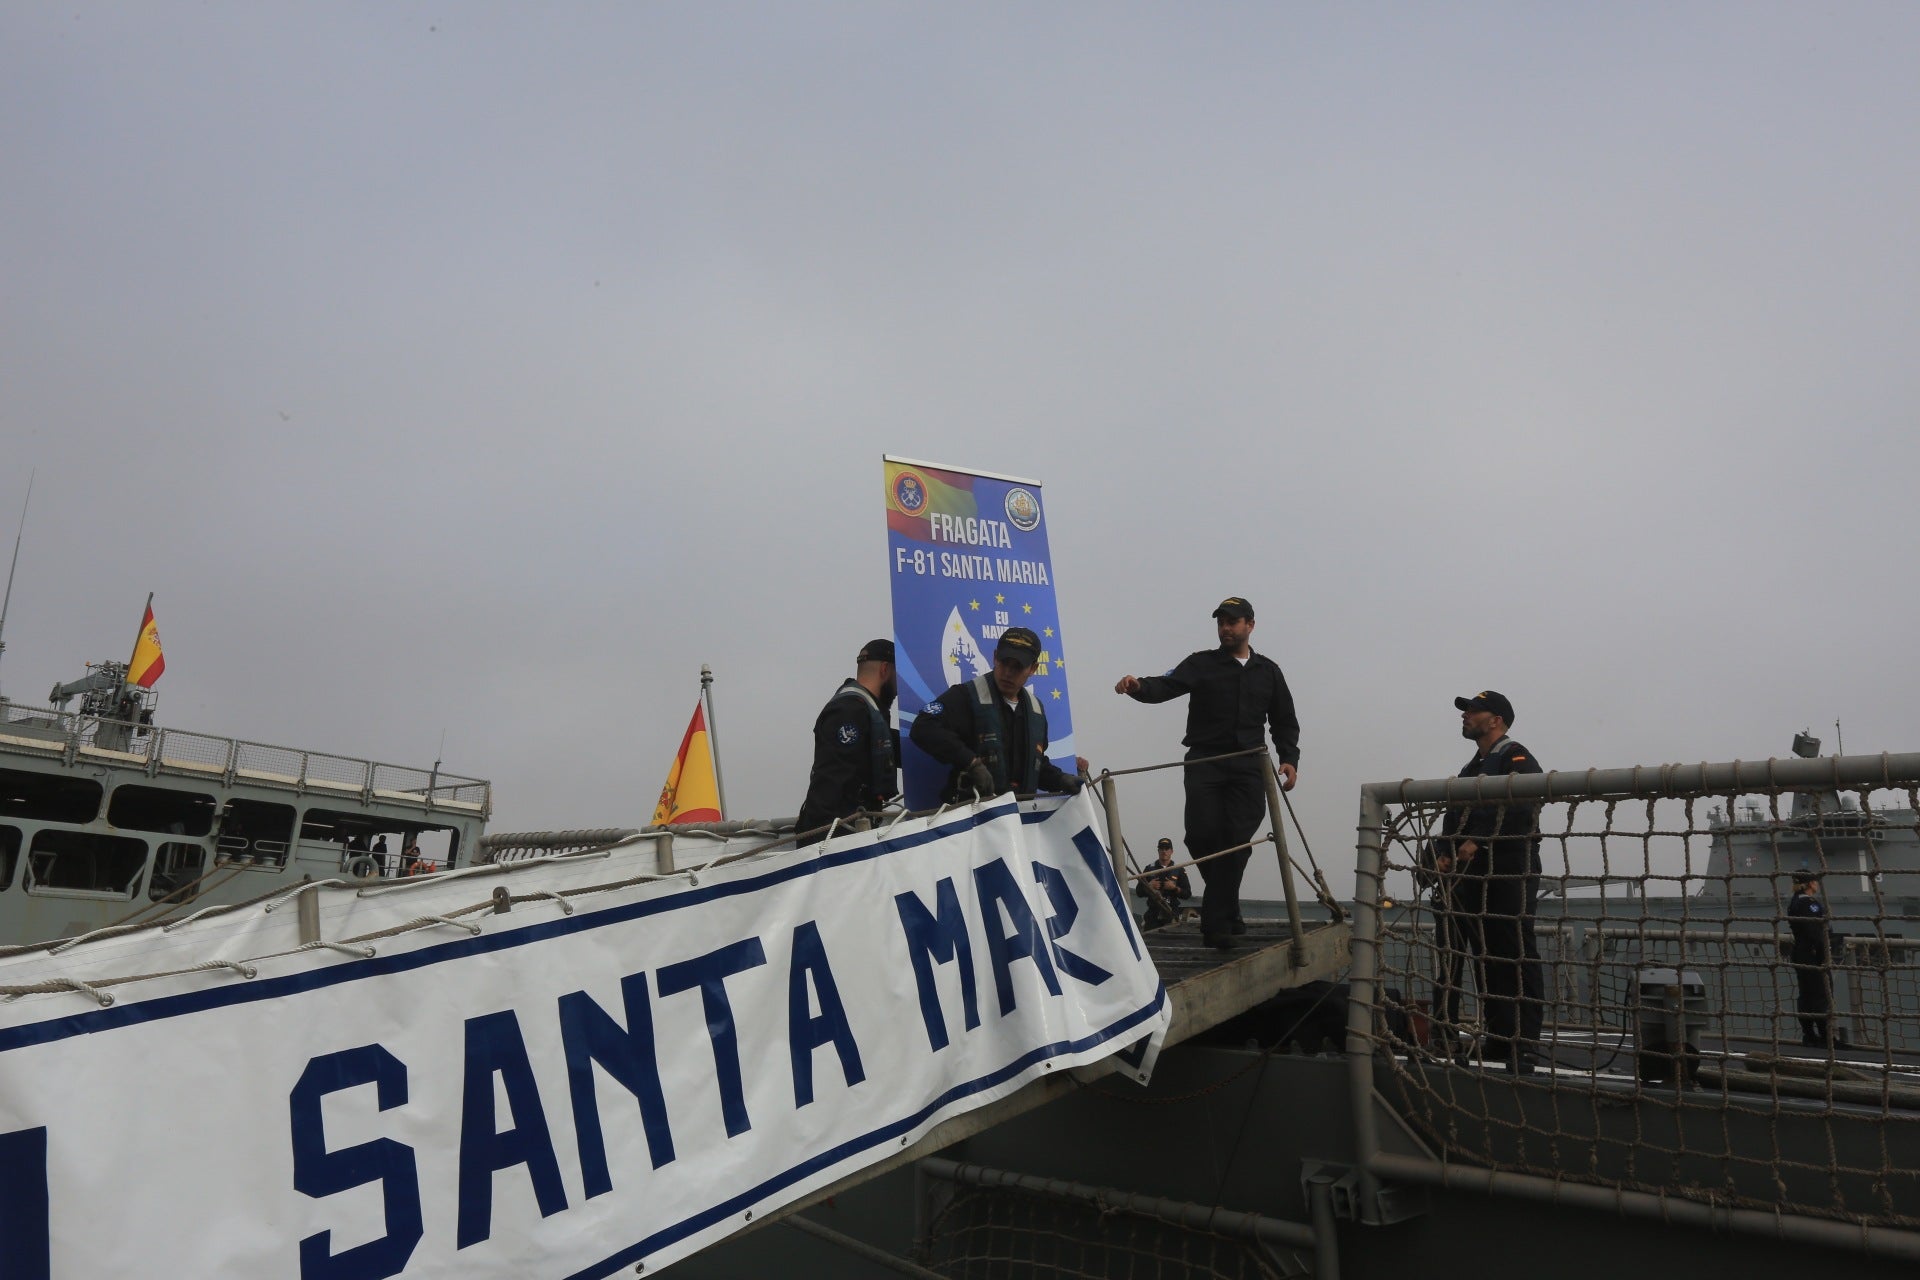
(487, 368)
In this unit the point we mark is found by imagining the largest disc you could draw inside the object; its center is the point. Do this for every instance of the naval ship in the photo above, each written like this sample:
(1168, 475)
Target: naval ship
(111, 820)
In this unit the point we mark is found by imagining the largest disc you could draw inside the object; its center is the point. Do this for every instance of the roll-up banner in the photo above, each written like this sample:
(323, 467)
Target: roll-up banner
(577, 1087)
(968, 555)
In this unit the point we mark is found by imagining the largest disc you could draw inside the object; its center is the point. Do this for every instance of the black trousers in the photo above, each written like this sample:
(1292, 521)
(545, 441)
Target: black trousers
(1225, 803)
(1451, 949)
(1512, 986)
(1815, 1004)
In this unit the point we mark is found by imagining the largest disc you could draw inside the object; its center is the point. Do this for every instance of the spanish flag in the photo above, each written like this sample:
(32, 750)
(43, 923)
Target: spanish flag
(148, 662)
(691, 794)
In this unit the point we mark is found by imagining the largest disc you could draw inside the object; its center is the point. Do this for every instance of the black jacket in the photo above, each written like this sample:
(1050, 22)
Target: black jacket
(1181, 891)
(1227, 704)
(853, 768)
(1506, 831)
(1807, 917)
(948, 730)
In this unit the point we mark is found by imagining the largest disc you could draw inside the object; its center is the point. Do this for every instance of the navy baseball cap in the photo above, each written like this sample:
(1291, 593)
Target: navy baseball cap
(1233, 607)
(1487, 700)
(1020, 644)
(876, 651)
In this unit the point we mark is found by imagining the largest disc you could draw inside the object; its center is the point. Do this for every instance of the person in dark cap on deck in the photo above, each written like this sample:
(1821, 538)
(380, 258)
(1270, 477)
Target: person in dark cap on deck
(1811, 952)
(1233, 695)
(1495, 852)
(1164, 886)
(856, 751)
(991, 731)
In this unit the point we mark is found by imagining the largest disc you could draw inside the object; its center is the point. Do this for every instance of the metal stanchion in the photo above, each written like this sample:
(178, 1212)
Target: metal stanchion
(1298, 948)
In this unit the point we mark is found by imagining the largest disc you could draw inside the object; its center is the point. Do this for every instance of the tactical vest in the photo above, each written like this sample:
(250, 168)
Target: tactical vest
(881, 763)
(986, 720)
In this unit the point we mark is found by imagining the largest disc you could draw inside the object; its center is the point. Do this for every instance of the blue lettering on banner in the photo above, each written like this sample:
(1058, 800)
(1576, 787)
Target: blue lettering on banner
(934, 940)
(710, 973)
(26, 1243)
(591, 1036)
(805, 1032)
(496, 1047)
(1060, 923)
(319, 1173)
(1095, 857)
(995, 884)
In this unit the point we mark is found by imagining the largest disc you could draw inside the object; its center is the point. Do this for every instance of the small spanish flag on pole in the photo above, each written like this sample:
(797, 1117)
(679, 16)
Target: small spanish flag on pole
(148, 662)
(692, 793)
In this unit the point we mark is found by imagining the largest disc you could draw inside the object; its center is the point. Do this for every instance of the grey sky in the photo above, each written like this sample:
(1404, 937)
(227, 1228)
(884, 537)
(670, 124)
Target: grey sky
(489, 368)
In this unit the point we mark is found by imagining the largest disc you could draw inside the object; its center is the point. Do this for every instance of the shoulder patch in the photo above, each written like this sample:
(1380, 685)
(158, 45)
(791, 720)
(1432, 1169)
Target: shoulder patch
(1518, 759)
(934, 708)
(849, 734)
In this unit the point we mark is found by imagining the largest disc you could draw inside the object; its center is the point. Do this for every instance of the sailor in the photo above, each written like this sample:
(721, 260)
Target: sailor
(1164, 887)
(991, 731)
(855, 748)
(1812, 950)
(1495, 850)
(1232, 694)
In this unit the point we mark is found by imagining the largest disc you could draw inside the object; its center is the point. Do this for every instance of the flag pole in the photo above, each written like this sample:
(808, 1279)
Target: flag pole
(713, 736)
(7, 600)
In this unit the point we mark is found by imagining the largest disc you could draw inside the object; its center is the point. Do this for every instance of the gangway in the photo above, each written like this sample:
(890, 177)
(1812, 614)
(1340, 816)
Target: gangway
(1206, 986)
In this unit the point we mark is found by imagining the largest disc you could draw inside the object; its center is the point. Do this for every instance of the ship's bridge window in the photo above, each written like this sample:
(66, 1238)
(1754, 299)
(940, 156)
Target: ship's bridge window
(177, 869)
(84, 861)
(48, 797)
(255, 831)
(9, 854)
(182, 813)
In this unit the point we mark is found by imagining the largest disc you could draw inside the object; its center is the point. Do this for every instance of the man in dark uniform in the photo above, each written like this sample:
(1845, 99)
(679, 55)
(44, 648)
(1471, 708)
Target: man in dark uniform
(1495, 849)
(1232, 693)
(1812, 949)
(1163, 889)
(991, 731)
(855, 749)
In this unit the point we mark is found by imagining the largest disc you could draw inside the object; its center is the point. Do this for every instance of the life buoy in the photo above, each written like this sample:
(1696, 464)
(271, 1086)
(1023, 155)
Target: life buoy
(363, 866)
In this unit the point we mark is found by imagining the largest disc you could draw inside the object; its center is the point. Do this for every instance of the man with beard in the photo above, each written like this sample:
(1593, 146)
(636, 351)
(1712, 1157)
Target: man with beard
(1495, 849)
(991, 732)
(855, 749)
(1232, 694)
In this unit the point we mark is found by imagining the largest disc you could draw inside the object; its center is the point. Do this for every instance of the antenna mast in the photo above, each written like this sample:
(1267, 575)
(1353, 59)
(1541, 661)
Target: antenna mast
(18, 534)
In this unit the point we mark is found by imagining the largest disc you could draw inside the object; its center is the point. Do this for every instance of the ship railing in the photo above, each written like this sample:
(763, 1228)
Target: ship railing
(1669, 1052)
(72, 737)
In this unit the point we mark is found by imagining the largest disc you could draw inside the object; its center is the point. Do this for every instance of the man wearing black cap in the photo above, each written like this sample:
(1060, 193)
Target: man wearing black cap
(1232, 693)
(1164, 887)
(1812, 949)
(991, 731)
(855, 749)
(1496, 861)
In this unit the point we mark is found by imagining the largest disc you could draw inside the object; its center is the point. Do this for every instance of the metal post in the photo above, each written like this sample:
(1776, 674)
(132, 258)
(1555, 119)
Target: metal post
(309, 914)
(1277, 808)
(713, 736)
(1367, 890)
(1326, 1243)
(663, 852)
(1110, 797)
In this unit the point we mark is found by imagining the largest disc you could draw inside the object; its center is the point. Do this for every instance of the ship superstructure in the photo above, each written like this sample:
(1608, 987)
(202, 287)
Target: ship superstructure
(107, 818)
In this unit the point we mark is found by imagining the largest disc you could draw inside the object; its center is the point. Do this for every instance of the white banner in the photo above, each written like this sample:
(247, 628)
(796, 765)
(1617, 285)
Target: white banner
(556, 1095)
